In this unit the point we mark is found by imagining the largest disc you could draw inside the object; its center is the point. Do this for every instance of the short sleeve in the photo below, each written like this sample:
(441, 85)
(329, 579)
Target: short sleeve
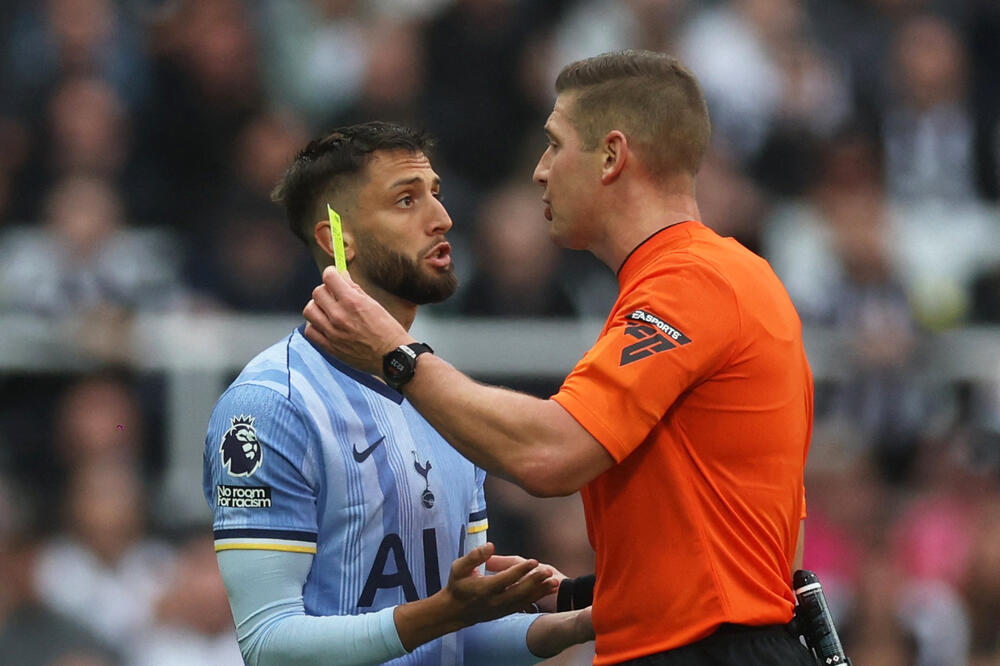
(477, 510)
(673, 329)
(261, 473)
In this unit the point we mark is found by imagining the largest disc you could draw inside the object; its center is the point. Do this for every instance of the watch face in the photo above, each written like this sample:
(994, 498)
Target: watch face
(396, 363)
(397, 367)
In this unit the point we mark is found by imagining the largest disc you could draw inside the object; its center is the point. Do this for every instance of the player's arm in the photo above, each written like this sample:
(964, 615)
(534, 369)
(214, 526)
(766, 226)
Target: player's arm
(265, 593)
(533, 442)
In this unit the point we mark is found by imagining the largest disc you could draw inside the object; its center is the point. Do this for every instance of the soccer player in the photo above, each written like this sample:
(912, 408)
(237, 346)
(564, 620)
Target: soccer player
(337, 509)
(686, 425)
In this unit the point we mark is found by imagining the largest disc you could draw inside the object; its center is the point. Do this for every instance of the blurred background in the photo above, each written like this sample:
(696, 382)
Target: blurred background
(856, 147)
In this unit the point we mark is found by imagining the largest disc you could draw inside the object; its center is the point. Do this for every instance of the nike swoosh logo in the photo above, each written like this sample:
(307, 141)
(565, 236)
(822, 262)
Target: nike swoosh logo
(361, 456)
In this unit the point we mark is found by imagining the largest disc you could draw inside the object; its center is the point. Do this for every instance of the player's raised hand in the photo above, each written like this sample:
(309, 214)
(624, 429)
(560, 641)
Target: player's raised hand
(345, 321)
(515, 585)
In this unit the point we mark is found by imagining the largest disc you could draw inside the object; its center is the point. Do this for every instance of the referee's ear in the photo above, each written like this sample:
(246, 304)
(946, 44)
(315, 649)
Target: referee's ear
(324, 240)
(614, 155)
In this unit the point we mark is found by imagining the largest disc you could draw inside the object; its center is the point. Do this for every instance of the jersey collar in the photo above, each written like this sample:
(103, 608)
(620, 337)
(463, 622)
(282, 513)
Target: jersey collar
(362, 378)
(651, 246)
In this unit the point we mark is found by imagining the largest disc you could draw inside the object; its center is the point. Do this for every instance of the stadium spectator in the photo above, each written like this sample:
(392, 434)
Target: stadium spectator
(981, 584)
(473, 102)
(928, 126)
(97, 569)
(393, 79)
(84, 257)
(32, 633)
(516, 270)
(307, 573)
(59, 39)
(266, 270)
(833, 252)
(686, 425)
(760, 73)
(206, 88)
(192, 624)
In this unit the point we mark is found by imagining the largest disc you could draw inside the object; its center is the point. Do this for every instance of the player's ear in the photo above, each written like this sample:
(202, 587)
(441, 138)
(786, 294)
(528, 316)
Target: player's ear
(614, 154)
(323, 238)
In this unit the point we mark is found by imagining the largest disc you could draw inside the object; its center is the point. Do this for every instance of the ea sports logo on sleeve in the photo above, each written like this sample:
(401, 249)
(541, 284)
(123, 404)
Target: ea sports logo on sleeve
(241, 452)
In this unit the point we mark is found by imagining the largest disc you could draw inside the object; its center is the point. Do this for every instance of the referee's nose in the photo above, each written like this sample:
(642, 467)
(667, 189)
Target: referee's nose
(541, 173)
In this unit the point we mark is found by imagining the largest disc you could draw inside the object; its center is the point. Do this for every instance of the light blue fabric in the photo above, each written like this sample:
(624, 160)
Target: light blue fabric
(310, 461)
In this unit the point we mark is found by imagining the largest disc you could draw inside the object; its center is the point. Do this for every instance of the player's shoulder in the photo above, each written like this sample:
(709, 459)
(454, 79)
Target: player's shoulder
(269, 369)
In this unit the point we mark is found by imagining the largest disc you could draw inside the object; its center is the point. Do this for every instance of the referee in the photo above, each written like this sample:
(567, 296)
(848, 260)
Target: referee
(686, 426)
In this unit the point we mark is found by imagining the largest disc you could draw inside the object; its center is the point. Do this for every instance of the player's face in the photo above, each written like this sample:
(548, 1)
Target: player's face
(570, 177)
(400, 241)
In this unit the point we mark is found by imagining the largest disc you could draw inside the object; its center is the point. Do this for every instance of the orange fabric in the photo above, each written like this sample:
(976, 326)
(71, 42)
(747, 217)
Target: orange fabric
(700, 389)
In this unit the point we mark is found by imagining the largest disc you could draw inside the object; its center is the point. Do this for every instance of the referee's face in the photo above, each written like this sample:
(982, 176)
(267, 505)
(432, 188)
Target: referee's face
(400, 230)
(570, 176)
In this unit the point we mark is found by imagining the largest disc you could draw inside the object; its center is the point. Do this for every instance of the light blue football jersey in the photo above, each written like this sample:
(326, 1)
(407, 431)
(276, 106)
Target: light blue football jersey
(306, 454)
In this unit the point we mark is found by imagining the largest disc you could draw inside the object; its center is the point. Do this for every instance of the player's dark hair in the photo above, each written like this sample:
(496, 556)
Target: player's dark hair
(328, 160)
(651, 97)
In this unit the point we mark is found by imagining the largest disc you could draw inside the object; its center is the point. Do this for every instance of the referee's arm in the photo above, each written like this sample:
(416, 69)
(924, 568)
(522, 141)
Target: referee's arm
(533, 442)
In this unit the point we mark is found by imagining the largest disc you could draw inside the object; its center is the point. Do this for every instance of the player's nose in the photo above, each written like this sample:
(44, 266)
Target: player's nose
(440, 220)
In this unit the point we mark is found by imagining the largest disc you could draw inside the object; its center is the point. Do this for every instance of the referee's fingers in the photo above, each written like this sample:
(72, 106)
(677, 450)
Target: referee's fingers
(503, 562)
(338, 283)
(521, 572)
(534, 585)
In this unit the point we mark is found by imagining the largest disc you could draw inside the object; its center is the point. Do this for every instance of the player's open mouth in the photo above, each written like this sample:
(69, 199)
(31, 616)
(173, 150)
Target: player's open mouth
(440, 255)
(548, 210)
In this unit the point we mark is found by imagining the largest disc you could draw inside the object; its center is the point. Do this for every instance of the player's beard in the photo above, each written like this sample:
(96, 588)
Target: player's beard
(402, 276)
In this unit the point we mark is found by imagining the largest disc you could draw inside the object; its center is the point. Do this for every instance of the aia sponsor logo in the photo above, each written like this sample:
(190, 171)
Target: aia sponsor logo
(653, 336)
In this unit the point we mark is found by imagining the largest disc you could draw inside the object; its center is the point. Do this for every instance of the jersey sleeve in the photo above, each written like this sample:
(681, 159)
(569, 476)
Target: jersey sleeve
(500, 642)
(475, 532)
(673, 329)
(261, 473)
(272, 627)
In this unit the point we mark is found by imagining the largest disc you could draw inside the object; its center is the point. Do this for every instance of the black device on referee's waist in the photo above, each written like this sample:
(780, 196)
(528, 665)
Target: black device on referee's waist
(814, 621)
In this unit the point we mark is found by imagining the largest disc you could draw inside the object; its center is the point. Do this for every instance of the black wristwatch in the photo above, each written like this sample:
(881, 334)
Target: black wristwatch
(399, 365)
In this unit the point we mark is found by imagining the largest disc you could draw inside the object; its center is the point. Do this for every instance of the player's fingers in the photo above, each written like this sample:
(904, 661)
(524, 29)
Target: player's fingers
(502, 562)
(465, 565)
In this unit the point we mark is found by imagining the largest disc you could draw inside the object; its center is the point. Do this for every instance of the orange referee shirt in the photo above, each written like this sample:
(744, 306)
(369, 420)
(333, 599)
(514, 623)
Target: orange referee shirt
(700, 390)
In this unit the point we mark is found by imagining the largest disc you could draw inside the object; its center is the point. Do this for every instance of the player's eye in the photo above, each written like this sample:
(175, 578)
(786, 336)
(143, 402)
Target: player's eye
(405, 202)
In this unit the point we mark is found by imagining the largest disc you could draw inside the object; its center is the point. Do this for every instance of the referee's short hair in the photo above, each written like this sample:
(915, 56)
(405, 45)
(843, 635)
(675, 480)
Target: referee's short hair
(330, 162)
(650, 97)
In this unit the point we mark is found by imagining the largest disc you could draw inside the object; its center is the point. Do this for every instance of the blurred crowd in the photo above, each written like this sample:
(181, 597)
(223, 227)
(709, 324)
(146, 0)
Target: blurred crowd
(856, 147)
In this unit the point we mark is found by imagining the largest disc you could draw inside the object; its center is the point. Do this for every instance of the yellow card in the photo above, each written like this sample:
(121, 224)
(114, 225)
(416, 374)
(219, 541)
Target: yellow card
(337, 240)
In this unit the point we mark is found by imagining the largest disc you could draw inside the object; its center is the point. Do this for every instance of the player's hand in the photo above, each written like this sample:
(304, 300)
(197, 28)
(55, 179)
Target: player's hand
(547, 603)
(348, 323)
(512, 588)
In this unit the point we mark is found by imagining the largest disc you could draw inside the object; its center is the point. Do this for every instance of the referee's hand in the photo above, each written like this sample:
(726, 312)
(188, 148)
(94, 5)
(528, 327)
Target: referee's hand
(546, 604)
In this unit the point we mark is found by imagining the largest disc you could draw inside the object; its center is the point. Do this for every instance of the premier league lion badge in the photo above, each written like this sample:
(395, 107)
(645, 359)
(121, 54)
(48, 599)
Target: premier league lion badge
(241, 452)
